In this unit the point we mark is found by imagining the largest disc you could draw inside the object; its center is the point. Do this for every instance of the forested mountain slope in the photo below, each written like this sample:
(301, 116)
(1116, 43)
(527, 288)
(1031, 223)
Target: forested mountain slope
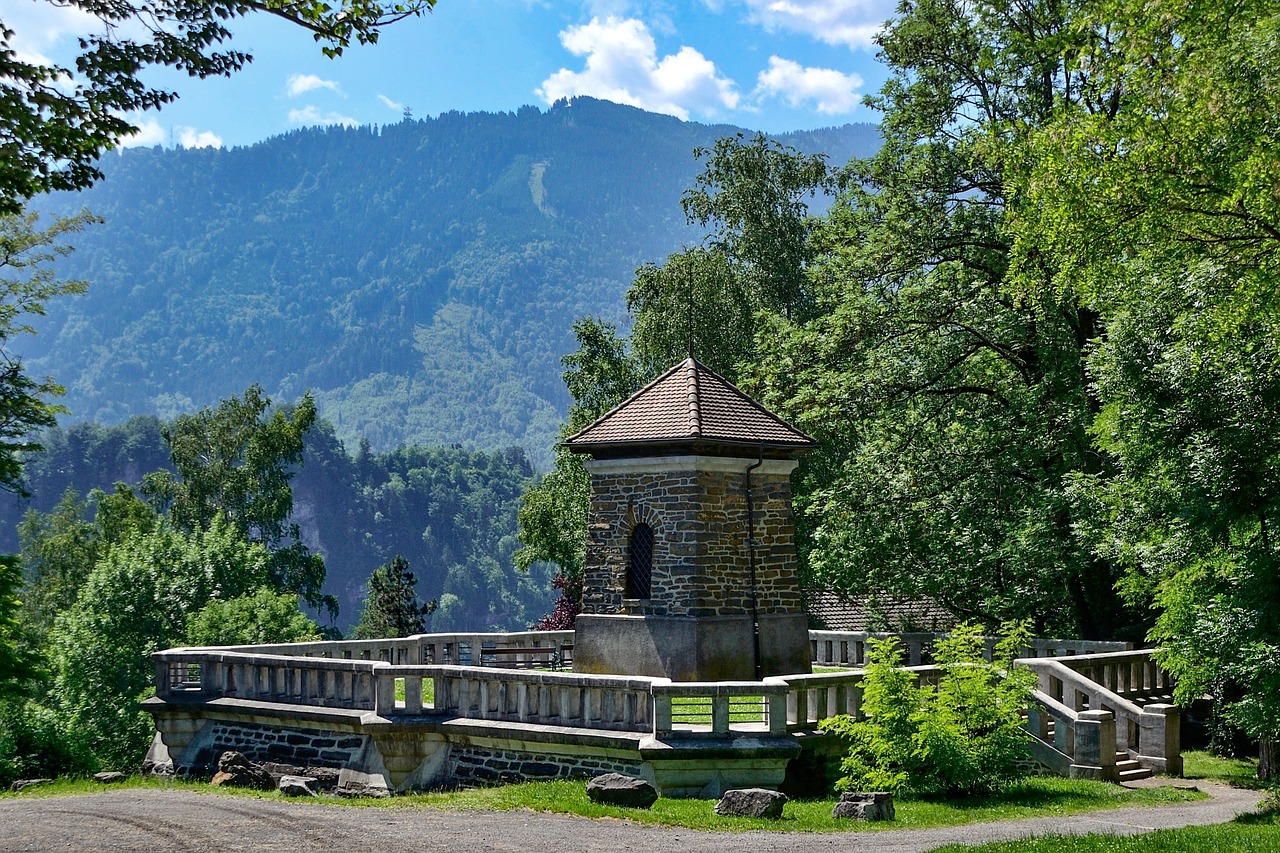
(450, 512)
(420, 278)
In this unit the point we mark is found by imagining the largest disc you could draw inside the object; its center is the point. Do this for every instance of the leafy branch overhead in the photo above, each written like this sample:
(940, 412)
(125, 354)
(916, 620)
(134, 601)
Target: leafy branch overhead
(55, 121)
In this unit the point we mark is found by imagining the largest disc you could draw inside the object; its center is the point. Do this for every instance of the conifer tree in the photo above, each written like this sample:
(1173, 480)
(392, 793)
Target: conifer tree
(392, 607)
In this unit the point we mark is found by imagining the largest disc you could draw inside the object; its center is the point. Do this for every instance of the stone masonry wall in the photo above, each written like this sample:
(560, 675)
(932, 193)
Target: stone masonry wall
(698, 513)
(260, 743)
(477, 765)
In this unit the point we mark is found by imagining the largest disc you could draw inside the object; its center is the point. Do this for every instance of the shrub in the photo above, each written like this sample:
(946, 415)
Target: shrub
(961, 738)
(36, 742)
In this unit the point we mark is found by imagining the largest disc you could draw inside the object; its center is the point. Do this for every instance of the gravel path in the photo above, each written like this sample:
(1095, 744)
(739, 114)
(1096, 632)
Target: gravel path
(153, 820)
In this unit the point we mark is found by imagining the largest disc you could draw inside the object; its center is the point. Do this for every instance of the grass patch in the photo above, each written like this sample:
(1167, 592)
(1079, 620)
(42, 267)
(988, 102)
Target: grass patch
(1239, 772)
(696, 710)
(1259, 834)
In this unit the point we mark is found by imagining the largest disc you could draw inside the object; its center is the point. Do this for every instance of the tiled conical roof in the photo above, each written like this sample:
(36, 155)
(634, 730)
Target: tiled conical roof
(690, 404)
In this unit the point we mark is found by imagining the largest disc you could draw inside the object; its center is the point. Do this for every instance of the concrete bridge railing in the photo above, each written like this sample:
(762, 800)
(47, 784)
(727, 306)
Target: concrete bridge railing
(1088, 707)
(849, 648)
(461, 649)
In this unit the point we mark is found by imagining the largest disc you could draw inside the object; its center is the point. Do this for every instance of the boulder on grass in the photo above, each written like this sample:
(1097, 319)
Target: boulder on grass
(297, 786)
(23, 784)
(751, 802)
(109, 777)
(873, 805)
(615, 789)
(236, 770)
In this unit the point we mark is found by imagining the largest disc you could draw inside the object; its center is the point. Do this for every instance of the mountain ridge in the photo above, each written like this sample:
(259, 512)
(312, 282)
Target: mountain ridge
(420, 278)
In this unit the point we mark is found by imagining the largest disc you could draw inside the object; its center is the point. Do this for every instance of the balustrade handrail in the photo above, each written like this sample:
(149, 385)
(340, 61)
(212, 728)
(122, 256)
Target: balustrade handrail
(1069, 676)
(226, 655)
(1054, 707)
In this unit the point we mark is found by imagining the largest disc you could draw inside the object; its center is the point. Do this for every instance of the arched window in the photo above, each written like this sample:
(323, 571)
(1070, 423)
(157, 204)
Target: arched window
(639, 561)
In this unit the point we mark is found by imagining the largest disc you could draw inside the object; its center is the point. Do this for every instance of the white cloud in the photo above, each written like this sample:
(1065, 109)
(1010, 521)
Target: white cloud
(833, 92)
(390, 104)
(302, 83)
(40, 28)
(149, 133)
(310, 115)
(852, 23)
(622, 65)
(189, 137)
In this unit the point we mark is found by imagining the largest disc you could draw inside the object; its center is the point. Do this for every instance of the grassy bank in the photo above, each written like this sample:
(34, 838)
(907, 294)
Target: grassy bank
(1035, 798)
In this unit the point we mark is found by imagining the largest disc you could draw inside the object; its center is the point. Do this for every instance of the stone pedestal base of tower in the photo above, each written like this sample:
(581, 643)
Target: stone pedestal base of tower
(690, 648)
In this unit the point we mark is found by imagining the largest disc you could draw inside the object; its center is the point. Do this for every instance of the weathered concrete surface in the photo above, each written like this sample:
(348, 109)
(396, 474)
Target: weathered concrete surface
(185, 820)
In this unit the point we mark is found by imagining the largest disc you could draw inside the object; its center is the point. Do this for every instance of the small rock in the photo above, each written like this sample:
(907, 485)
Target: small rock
(157, 768)
(110, 777)
(751, 802)
(874, 805)
(323, 778)
(23, 784)
(297, 786)
(355, 790)
(234, 769)
(615, 789)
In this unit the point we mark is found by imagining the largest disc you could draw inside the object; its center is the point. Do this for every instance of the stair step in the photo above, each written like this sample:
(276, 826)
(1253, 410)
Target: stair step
(1133, 775)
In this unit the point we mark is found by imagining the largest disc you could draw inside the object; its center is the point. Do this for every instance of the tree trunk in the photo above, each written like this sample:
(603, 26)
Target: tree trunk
(1269, 758)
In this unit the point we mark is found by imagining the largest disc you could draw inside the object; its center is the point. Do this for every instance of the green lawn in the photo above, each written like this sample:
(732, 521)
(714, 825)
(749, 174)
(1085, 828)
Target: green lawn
(428, 691)
(1238, 772)
(1036, 797)
(696, 710)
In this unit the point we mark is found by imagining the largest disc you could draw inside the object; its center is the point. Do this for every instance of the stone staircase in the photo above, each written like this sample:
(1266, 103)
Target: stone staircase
(1104, 716)
(1129, 770)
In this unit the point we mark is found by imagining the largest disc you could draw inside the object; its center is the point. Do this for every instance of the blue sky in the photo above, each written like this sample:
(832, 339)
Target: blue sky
(773, 65)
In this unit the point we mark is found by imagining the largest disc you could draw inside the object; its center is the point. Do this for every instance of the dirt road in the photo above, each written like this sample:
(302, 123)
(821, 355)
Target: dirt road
(152, 821)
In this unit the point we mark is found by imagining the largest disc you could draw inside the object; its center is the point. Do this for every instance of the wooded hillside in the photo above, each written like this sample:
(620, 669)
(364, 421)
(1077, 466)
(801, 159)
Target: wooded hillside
(421, 278)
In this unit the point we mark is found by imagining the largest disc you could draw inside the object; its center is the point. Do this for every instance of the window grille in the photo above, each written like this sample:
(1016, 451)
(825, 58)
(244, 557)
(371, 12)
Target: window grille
(640, 561)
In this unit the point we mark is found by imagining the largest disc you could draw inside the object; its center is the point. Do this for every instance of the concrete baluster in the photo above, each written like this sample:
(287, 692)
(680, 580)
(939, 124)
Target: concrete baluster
(720, 714)
(1038, 722)
(385, 685)
(164, 682)
(413, 694)
(662, 725)
(777, 712)
(798, 705)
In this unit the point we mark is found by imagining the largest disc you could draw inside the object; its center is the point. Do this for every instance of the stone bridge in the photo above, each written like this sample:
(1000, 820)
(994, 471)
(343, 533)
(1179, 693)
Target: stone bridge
(435, 709)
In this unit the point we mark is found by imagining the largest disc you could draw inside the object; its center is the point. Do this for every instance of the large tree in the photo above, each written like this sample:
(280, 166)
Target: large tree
(234, 464)
(1164, 212)
(27, 282)
(392, 607)
(55, 121)
(945, 383)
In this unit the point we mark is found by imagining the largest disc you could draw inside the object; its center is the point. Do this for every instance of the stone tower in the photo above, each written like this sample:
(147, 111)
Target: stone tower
(690, 565)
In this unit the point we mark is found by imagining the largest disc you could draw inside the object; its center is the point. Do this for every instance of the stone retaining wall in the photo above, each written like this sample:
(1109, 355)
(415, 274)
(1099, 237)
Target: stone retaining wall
(477, 765)
(305, 748)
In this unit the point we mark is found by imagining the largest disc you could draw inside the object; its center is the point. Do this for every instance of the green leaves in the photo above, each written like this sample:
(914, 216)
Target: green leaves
(55, 122)
(392, 607)
(27, 282)
(234, 465)
(963, 737)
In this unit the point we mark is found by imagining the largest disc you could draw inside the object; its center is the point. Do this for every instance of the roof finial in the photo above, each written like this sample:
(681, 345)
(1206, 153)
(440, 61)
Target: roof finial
(688, 295)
